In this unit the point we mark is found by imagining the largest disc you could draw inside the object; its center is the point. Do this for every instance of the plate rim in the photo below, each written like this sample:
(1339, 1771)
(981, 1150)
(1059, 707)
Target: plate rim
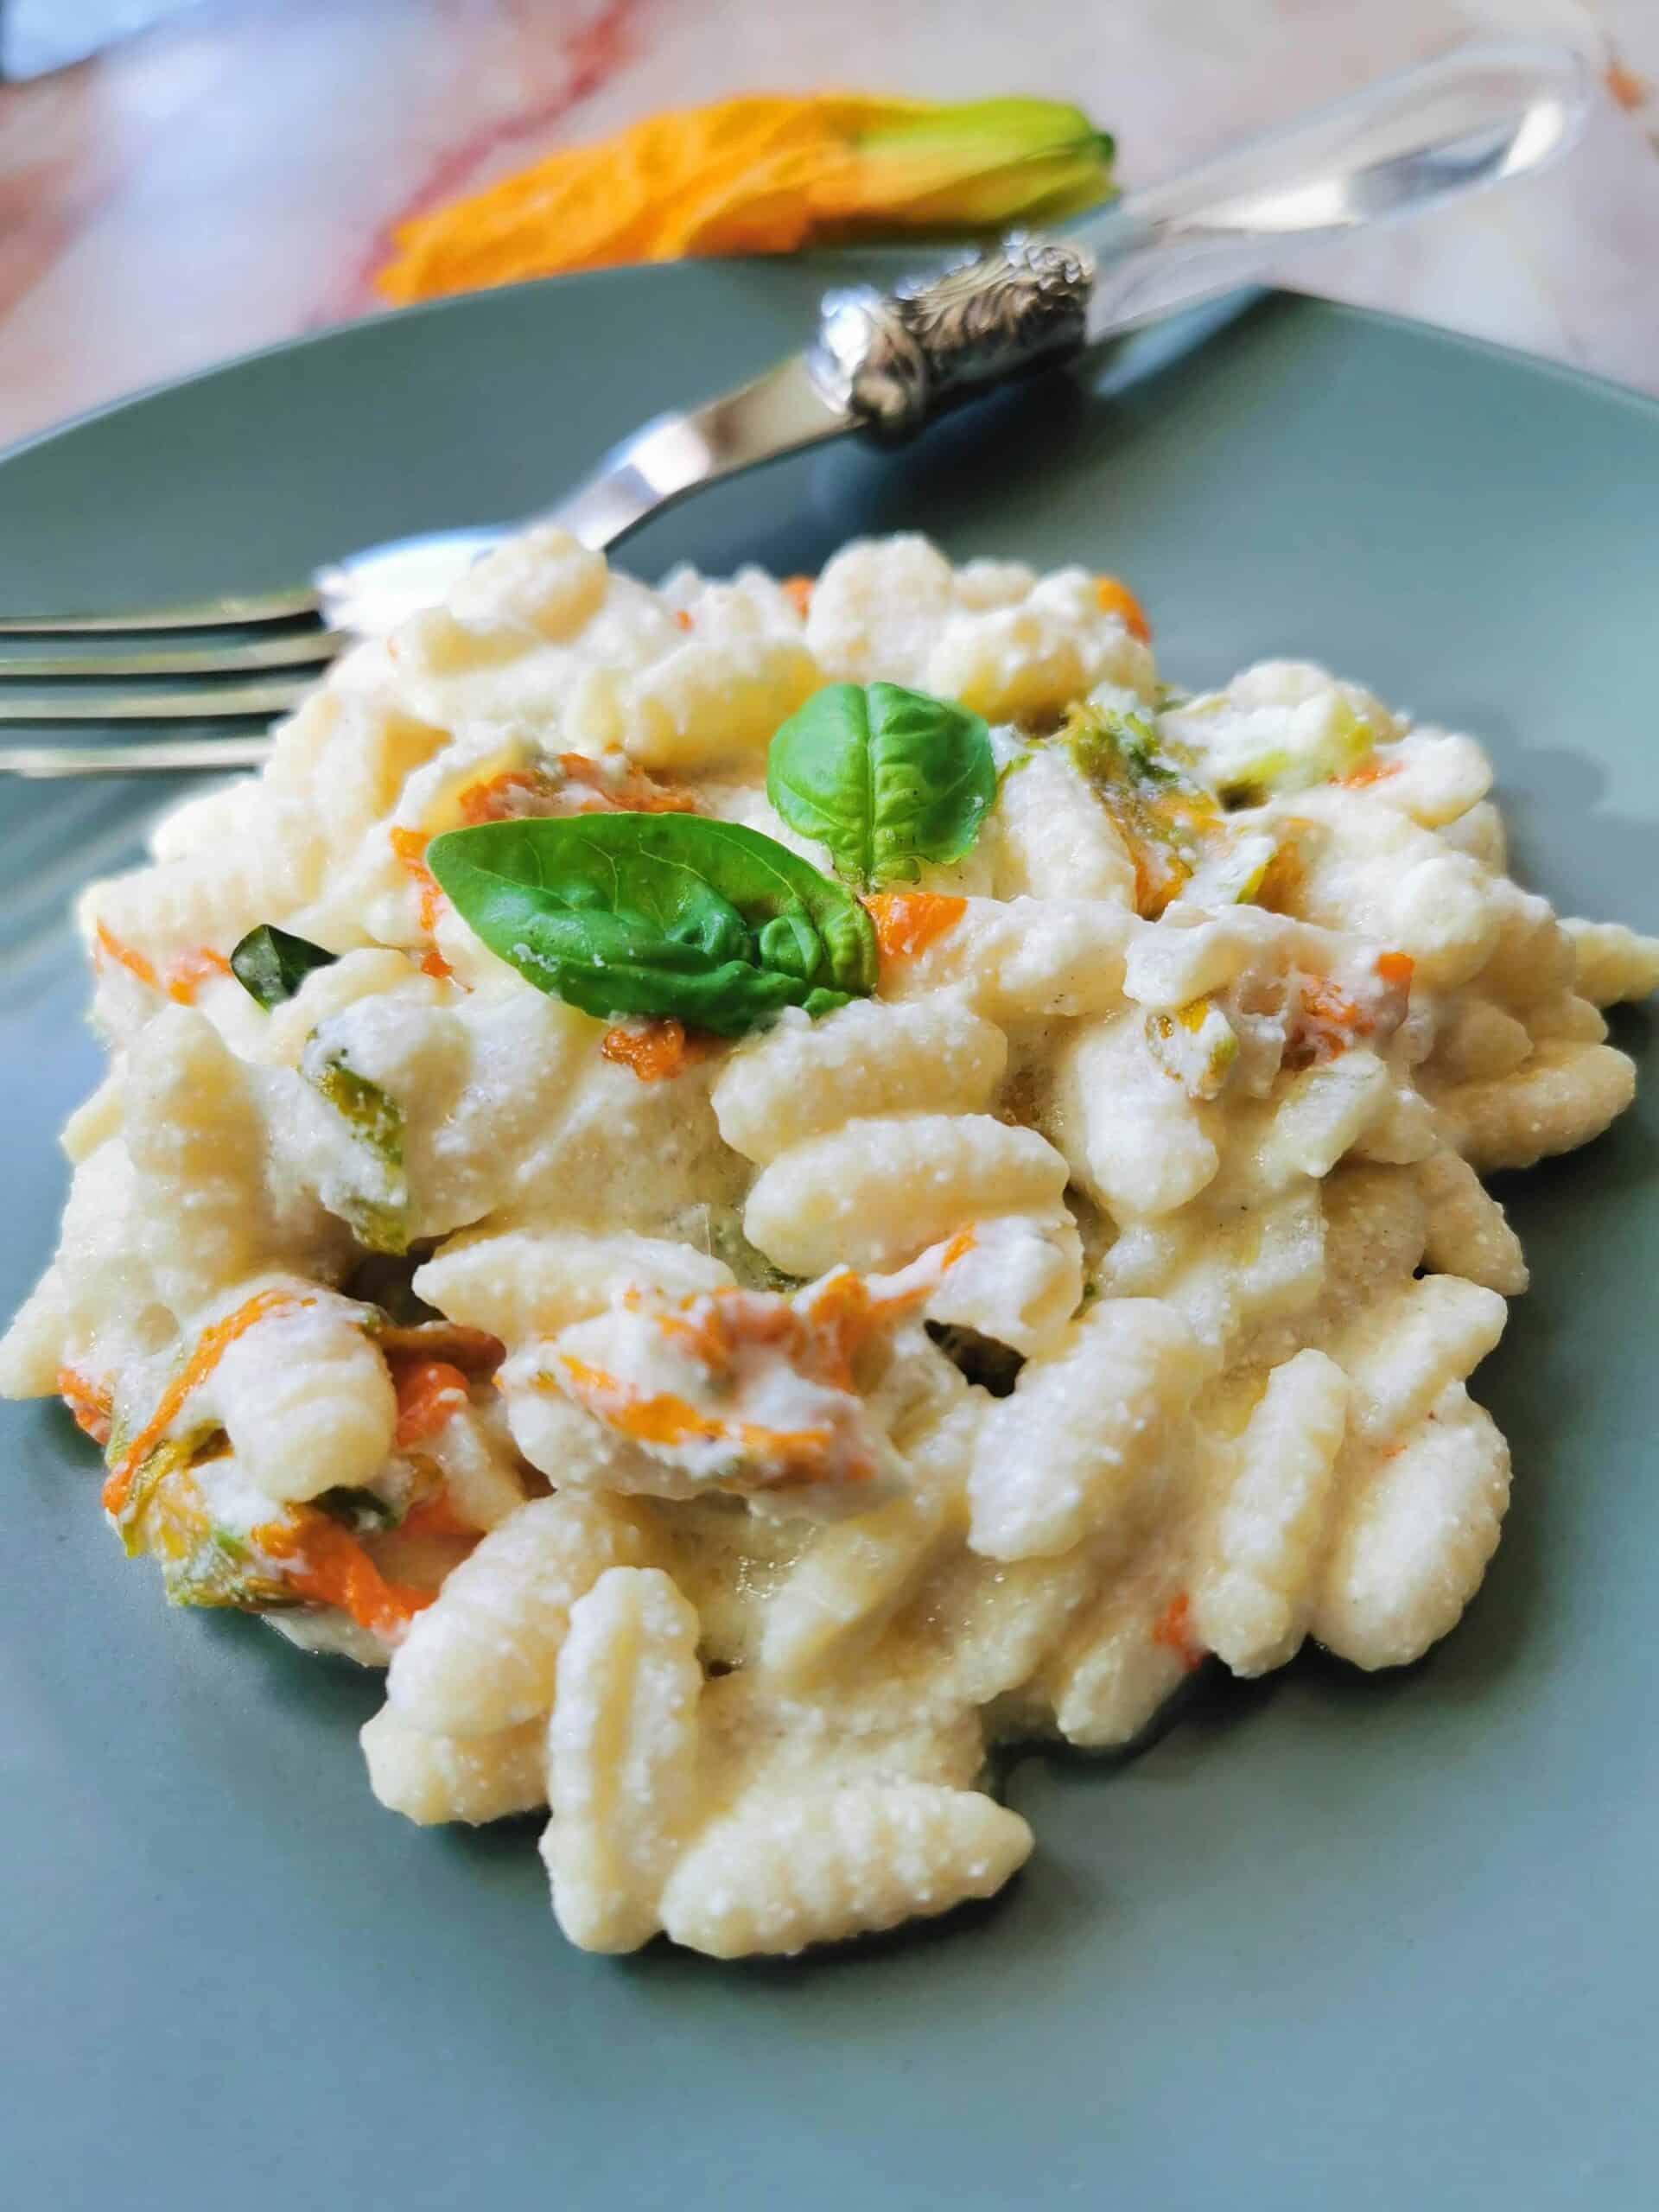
(1268, 298)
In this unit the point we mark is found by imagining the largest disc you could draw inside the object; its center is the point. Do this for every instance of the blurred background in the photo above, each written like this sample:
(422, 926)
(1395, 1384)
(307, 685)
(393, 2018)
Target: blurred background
(181, 180)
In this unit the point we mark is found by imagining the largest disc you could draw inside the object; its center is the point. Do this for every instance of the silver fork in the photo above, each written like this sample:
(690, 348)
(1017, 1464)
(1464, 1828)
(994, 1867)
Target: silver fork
(886, 364)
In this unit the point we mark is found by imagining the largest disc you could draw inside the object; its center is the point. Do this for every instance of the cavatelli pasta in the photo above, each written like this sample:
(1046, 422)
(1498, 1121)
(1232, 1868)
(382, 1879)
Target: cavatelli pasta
(816, 1866)
(727, 1442)
(875, 1192)
(804, 1079)
(485, 1656)
(622, 1757)
(431, 1778)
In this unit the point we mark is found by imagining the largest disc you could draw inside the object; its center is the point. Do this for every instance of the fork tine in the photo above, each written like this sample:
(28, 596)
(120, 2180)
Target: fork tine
(205, 704)
(306, 649)
(281, 606)
(47, 763)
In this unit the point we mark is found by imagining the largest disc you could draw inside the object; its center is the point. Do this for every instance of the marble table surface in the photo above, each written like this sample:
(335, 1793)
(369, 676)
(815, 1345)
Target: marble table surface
(232, 177)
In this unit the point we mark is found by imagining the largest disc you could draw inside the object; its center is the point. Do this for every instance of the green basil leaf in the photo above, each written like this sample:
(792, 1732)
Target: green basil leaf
(270, 965)
(885, 777)
(659, 914)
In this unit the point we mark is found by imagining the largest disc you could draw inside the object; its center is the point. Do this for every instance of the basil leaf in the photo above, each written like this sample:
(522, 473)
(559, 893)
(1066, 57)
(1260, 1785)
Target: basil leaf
(659, 914)
(885, 777)
(270, 965)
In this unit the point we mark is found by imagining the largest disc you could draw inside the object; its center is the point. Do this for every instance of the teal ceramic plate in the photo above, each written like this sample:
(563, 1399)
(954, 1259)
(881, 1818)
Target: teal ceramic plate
(1330, 1941)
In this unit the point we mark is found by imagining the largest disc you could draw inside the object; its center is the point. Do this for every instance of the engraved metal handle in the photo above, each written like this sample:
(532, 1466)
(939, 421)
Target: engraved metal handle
(1477, 115)
(893, 360)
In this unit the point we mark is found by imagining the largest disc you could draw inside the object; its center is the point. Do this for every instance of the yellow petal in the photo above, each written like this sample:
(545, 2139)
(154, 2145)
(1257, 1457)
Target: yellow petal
(764, 173)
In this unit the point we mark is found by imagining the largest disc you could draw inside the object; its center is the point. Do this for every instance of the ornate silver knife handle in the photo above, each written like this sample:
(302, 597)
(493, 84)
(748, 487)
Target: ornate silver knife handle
(1475, 116)
(893, 360)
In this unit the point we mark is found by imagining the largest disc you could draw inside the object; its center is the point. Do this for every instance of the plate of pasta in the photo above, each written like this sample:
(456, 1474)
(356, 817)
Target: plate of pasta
(833, 1218)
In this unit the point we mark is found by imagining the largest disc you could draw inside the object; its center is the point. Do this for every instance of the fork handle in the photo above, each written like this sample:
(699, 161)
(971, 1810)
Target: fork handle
(287, 603)
(51, 763)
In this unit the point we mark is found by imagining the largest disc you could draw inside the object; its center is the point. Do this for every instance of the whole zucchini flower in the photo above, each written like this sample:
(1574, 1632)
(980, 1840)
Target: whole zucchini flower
(760, 175)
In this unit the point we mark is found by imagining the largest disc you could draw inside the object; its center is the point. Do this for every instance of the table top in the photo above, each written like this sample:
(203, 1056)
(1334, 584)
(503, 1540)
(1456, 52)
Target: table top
(232, 177)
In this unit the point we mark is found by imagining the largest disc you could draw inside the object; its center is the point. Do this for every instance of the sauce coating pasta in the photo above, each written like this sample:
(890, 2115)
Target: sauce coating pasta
(729, 1434)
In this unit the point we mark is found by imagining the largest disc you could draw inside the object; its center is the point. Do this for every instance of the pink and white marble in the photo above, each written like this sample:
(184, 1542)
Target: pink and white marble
(232, 177)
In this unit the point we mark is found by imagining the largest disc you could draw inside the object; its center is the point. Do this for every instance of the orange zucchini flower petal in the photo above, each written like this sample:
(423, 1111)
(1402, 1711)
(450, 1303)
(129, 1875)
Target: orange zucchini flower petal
(763, 174)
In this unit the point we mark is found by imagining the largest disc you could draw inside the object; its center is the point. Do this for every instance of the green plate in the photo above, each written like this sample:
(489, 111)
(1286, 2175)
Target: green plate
(1331, 1940)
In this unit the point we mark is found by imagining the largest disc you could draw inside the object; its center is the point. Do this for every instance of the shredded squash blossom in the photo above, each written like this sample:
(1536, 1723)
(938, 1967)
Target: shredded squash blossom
(760, 175)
